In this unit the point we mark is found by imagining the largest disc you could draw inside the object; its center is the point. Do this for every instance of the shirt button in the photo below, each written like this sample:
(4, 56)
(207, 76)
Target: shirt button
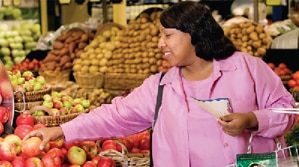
(225, 145)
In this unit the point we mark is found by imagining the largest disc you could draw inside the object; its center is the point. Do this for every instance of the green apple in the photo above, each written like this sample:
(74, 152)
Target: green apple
(76, 155)
(40, 79)
(48, 104)
(27, 73)
(37, 86)
(5, 51)
(3, 42)
(21, 80)
(47, 97)
(67, 104)
(85, 103)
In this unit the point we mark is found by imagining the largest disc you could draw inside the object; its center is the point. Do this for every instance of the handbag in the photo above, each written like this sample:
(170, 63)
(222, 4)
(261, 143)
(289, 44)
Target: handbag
(158, 104)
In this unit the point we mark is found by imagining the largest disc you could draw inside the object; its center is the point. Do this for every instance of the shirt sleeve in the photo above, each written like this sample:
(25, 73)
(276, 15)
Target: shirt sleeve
(124, 116)
(271, 93)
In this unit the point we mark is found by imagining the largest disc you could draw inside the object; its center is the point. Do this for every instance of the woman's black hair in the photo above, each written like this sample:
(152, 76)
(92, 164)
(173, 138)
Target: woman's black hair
(207, 35)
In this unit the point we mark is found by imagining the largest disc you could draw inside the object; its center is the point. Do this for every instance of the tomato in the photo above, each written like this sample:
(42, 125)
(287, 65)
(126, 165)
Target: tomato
(282, 65)
(295, 75)
(291, 83)
(271, 65)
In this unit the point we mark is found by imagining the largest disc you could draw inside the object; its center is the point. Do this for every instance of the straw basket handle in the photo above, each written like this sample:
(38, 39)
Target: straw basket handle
(23, 101)
(43, 108)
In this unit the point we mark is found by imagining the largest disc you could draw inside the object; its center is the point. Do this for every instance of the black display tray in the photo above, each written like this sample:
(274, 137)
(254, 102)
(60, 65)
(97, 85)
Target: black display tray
(288, 56)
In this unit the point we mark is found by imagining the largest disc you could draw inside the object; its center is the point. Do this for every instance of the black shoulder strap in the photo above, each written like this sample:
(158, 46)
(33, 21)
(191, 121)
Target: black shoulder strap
(158, 104)
(159, 101)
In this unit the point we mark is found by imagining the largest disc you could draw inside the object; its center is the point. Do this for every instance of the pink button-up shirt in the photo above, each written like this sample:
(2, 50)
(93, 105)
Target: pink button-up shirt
(185, 134)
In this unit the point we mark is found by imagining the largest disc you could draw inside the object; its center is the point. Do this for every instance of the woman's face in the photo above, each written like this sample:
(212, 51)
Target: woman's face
(176, 47)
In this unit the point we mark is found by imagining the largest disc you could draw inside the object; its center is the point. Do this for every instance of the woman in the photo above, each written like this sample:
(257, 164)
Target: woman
(206, 66)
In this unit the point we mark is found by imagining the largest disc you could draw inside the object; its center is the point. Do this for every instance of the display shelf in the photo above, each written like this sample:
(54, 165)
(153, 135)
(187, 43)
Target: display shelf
(287, 56)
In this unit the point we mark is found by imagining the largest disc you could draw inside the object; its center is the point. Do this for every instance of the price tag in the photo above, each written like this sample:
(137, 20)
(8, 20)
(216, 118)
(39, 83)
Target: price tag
(274, 2)
(6, 2)
(64, 1)
(16, 2)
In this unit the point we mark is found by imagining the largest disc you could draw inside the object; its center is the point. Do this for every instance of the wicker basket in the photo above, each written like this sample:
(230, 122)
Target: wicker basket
(116, 81)
(127, 159)
(52, 120)
(138, 159)
(20, 106)
(89, 80)
(53, 77)
(25, 97)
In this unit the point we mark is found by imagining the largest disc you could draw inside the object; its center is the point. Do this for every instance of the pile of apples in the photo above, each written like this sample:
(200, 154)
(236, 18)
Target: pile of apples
(293, 83)
(15, 151)
(27, 65)
(26, 81)
(4, 112)
(57, 103)
(281, 69)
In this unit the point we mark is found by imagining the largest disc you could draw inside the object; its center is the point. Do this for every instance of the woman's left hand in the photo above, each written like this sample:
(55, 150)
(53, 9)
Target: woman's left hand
(233, 124)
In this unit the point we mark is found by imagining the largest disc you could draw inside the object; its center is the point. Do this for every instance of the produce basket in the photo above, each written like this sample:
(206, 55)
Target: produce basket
(53, 77)
(116, 81)
(20, 106)
(89, 80)
(24, 97)
(126, 159)
(52, 120)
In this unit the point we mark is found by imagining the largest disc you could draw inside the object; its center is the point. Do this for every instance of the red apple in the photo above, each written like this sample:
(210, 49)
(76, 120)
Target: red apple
(89, 164)
(1, 128)
(128, 143)
(144, 143)
(5, 163)
(53, 158)
(30, 147)
(3, 114)
(38, 125)
(106, 162)
(33, 162)
(135, 150)
(15, 139)
(76, 155)
(18, 162)
(22, 130)
(70, 144)
(7, 150)
(90, 147)
(57, 143)
(96, 159)
(25, 119)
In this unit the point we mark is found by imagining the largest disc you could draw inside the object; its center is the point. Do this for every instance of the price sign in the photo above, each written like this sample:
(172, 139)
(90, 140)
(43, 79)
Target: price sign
(16, 2)
(64, 1)
(6, 2)
(274, 2)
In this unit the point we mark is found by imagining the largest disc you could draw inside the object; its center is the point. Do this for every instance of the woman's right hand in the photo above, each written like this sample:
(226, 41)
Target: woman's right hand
(46, 134)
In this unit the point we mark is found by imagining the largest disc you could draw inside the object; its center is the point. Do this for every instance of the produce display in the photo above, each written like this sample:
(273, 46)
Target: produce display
(249, 37)
(114, 49)
(95, 56)
(56, 104)
(17, 40)
(138, 52)
(293, 83)
(27, 82)
(27, 65)
(65, 48)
